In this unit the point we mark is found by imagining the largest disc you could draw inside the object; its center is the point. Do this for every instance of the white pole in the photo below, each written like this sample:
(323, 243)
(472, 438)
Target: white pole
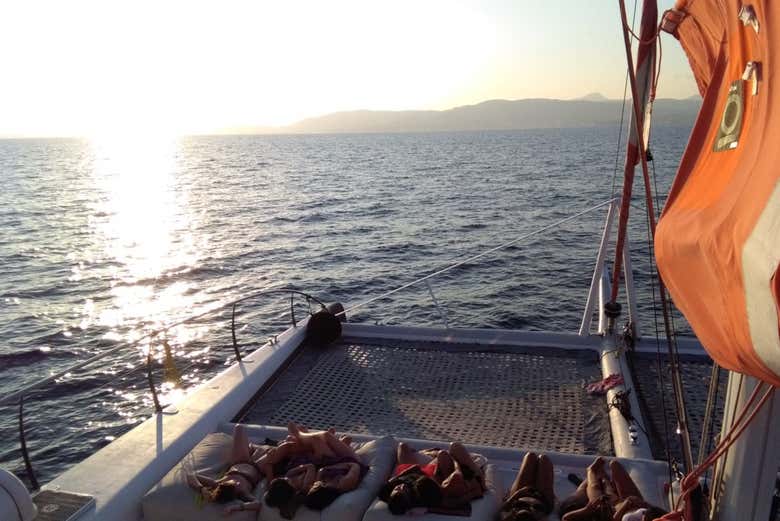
(605, 294)
(633, 314)
(587, 317)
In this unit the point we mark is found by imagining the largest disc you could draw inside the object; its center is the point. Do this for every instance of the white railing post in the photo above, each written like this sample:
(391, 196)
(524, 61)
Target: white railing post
(587, 317)
(633, 314)
(442, 314)
(605, 293)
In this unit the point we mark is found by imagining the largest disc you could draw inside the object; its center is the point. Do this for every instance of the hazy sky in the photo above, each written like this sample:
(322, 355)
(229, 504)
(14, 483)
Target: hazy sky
(84, 68)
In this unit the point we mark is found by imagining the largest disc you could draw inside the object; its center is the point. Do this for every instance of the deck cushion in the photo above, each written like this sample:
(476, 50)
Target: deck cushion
(173, 500)
(379, 456)
(483, 509)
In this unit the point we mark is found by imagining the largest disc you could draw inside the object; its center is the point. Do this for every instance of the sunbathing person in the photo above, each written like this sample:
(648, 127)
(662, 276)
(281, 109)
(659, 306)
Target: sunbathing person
(531, 497)
(239, 481)
(601, 498)
(433, 479)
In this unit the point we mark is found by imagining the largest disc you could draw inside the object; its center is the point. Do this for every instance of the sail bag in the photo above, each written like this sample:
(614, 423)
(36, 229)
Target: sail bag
(718, 239)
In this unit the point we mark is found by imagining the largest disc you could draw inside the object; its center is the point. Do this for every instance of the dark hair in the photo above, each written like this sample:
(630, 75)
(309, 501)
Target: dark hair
(400, 499)
(280, 492)
(523, 515)
(428, 492)
(223, 492)
(321, 495)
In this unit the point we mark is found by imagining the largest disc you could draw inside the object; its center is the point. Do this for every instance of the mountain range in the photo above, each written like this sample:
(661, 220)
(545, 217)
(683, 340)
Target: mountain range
(588, 111)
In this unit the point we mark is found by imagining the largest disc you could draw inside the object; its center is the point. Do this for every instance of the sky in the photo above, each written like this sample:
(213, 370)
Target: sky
(91, 68)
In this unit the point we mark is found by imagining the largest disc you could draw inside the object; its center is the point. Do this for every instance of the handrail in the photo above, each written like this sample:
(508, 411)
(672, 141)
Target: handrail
(475, 257)
(16, 396)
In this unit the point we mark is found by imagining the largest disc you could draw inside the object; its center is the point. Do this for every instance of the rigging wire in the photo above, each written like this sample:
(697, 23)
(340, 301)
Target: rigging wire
(622, 117)
(659, 357)
(473, 258)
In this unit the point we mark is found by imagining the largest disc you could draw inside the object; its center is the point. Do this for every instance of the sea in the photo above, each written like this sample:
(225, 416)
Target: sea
(104, 241)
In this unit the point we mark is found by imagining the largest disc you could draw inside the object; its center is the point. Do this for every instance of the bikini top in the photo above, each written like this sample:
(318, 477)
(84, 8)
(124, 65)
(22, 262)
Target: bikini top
(242, 469)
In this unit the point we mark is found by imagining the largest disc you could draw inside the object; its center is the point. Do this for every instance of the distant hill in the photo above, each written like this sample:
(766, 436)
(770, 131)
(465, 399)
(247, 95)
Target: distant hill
(591, 110)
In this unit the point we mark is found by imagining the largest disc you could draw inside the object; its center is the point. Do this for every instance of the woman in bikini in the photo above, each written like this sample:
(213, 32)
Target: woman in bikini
(601, 498)
(240, 480)
(433, 478)
(531, 497)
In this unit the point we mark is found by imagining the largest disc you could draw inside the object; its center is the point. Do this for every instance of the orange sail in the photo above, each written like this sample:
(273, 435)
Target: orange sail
(718, 239)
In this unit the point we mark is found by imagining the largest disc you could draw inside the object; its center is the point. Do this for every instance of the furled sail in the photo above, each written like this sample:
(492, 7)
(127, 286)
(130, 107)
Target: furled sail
(718, 239)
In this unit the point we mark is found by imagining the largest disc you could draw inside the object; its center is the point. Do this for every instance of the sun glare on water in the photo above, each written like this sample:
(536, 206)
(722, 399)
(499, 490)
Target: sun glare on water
(143, 222)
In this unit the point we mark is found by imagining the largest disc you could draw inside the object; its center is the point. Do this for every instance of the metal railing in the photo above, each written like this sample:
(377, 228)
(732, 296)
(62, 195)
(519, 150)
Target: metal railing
(18, 397)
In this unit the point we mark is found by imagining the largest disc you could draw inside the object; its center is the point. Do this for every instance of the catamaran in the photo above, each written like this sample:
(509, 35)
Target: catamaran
(506, 392)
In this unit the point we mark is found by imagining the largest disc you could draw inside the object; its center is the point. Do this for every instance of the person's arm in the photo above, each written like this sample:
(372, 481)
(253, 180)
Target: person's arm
(351, 479)
(198, 482)
(309, 477)
(241, 506)
(274, 456)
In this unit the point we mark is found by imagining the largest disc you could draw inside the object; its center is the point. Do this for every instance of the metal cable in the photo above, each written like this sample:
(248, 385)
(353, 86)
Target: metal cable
(475, 257)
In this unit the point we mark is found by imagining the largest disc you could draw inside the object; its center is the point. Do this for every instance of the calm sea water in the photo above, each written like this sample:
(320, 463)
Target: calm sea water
(103, 242)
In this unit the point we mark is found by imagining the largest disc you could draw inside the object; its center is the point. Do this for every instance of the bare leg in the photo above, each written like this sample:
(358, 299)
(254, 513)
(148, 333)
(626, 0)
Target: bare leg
(240, 451)
(526, 476)
(545, 478)
(623, 483)
(594, 491)
(444, 465)
(339, 448)
(462, 456)
(596, 478)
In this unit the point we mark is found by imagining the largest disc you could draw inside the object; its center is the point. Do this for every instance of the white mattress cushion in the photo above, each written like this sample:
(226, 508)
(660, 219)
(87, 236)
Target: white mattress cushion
(173, 500)
(482, 509)
(379, 456)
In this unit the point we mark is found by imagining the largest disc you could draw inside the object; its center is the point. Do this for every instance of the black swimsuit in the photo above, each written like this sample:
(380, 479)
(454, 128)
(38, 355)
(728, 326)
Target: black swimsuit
(526, 503)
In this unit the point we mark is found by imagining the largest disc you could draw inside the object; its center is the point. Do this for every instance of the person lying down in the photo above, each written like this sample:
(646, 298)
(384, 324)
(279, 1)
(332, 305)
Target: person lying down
(437, 480)
(604, 498)
(237, 484)
(531, 496)
(311, 468)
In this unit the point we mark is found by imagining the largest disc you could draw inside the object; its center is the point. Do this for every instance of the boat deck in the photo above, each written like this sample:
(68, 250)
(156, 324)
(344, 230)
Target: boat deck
(501, 396)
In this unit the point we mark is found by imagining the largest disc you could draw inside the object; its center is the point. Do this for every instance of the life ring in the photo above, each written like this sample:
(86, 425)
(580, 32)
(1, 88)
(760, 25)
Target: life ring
(15, 501)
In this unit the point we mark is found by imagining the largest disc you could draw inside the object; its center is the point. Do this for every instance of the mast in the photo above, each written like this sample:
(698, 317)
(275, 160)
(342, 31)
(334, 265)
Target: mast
(642, 84)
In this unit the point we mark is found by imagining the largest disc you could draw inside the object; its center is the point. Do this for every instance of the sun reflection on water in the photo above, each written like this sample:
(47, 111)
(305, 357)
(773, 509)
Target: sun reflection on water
(148, 236)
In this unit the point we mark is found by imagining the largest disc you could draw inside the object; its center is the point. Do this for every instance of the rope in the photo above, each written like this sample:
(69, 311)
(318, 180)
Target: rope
(621, 402)
(746, 417)
(469, 260)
